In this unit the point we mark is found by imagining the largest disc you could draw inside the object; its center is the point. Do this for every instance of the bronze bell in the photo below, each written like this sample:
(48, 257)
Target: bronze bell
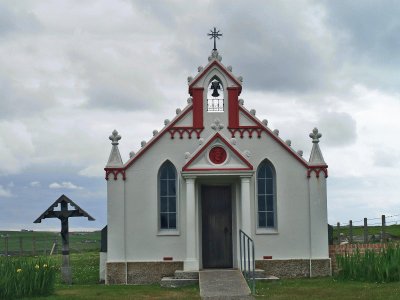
(215, 86)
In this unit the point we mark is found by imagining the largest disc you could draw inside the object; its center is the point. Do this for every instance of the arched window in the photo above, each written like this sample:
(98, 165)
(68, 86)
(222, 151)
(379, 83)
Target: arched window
(215, 95)
(266, 195)
(167, 195)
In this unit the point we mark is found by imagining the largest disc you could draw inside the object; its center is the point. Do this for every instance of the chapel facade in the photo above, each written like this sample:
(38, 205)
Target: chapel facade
(214, 169)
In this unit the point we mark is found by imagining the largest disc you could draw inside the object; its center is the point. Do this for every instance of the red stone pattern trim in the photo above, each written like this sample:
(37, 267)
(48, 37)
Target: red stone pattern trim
(115, 172)
(249, 129)
(317, 171)
(182, 130)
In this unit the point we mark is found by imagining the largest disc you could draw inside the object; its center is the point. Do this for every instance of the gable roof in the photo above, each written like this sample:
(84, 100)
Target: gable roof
(274, 137)
(208, 68)
(201, 150)
(152, 141)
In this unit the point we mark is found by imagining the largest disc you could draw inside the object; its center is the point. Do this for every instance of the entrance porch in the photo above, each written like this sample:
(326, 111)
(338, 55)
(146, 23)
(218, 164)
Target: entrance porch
(217, 206)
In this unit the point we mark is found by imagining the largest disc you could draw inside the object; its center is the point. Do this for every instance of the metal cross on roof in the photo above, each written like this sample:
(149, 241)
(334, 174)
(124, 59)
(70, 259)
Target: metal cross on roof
(214, 35)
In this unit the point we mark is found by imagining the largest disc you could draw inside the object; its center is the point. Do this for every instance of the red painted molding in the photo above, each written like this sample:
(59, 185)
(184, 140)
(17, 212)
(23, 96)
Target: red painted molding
(249, 167)
(157, 137)
(198, 107)
(278, 140)
(249, 129)
(233, 100)
(183, 129)
(267, 257)
(317, 170)
(205, 71)
(115, 172)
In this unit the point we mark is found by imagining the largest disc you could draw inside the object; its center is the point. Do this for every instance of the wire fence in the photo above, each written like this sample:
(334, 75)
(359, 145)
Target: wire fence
(368, 230)
(40, 243)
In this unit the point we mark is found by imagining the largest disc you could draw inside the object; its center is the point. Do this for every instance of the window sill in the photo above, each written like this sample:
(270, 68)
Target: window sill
(167, 232)
(266, 231)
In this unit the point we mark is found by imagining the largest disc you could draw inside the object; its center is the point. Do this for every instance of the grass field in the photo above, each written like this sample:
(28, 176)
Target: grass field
(41, 242)
(85, 278)
(393, 230)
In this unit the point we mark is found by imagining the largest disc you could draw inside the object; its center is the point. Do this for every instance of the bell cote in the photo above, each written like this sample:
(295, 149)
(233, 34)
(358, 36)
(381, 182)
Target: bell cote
(215, 90)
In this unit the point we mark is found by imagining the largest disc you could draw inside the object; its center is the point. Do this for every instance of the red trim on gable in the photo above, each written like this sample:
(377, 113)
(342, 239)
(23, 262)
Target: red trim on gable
(271, 135)
(233, 95)
(249, 129)
(157, 137)
(239, 155)
(198, 107)
(115, 172)
(181, 130)
(317, 170)
(222, 67)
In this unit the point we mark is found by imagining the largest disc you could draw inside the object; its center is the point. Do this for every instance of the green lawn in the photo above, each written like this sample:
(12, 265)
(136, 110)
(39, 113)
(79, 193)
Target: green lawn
(326, 289)
(85, 278)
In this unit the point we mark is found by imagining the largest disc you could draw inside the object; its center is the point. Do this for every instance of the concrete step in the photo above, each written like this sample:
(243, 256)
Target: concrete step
(171, 282)
(180, 274)
(267, 278)
(223, 284)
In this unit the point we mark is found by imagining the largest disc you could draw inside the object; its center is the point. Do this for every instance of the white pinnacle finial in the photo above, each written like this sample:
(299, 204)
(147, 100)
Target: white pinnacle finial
(114, 159)
(114, 137)
(316, 157)
(315, 135)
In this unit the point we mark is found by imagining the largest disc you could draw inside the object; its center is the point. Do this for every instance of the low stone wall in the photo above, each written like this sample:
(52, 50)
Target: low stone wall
(295, 268)
(141, 272)
(350, 249)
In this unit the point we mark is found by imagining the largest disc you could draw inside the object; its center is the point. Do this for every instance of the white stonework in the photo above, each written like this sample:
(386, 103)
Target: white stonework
(135, 233)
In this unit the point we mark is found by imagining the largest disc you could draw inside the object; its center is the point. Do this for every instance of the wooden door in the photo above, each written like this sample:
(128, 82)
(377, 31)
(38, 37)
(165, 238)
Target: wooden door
(216, 211)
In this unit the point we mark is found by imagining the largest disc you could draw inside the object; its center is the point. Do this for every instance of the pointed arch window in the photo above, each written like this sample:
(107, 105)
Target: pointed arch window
(167, 196)
(215, 95)
(266, 195)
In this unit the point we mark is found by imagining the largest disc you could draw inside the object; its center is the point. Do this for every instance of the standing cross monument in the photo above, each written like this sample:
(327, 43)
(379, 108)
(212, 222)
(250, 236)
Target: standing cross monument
(63, 214)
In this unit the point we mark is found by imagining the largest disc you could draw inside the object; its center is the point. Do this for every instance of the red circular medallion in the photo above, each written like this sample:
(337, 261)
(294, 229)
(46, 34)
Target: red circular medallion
(217, 155)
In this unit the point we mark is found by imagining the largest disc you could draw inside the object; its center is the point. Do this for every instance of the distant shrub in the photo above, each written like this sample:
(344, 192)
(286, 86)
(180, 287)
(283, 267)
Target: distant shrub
(371, 266)
(23, 277)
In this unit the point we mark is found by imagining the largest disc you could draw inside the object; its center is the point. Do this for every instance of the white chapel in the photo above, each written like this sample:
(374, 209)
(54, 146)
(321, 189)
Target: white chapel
(214, 169)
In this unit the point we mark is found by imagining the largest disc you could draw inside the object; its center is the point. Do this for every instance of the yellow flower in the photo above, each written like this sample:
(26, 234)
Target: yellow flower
(19, 270)
(44, 266)
(37, 267)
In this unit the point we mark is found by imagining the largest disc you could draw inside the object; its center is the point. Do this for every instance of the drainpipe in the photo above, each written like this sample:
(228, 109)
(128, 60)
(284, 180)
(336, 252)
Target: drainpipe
(126, 262)
(309, 226)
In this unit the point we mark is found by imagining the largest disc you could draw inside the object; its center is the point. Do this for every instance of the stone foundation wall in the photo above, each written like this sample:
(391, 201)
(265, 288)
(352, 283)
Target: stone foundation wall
(295, 268)
(141, 272)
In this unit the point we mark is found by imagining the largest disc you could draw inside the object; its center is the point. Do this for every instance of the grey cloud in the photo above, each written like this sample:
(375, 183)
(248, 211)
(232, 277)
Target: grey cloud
(17, 21)
(369, 34)
(267, 44)
(117, 83)
(386, 158)
(338, 129)
(17, 100)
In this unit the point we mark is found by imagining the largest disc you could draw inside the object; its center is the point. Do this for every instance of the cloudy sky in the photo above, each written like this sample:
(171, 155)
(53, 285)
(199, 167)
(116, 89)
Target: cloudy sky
(72, 71)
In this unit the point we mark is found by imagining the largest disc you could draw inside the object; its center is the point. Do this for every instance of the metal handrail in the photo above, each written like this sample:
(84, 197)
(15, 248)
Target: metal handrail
(247, 260)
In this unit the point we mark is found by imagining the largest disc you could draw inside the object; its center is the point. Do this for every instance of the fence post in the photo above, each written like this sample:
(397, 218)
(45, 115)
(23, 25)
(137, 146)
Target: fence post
(351, 231)
(21, 249)
(338, 232)
(365, 231)
(383, 234)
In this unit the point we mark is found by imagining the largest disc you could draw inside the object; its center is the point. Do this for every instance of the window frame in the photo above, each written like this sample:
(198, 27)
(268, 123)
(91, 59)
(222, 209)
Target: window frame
(265, 229)
(167, 231)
